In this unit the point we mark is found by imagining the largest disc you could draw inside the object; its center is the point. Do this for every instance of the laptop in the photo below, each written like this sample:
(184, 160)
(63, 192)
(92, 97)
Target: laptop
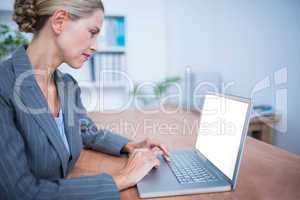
(213, 164)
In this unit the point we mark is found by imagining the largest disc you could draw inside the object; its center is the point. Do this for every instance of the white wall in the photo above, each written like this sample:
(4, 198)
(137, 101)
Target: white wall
(146, 36)
(246, 41)
(7, 5)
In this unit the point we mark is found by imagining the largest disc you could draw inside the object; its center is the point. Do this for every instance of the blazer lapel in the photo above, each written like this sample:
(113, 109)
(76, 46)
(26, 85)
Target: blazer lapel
(71, 124)
(35, 104)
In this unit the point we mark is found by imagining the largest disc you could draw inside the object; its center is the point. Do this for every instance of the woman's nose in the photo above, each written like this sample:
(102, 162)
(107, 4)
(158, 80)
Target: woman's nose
(94, 45)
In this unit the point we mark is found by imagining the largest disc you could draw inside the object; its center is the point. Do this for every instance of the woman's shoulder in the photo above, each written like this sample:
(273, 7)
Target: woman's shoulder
(5, 66)
(6, 75)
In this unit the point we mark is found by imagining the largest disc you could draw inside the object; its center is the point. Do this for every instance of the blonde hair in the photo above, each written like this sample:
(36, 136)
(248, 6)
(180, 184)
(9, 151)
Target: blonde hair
(31, 15)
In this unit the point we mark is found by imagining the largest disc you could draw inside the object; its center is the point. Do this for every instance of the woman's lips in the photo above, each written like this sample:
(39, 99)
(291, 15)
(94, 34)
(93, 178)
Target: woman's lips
(86, 56)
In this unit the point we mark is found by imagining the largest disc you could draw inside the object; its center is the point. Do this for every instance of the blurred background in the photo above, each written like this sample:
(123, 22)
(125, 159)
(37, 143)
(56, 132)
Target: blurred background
(172, 52)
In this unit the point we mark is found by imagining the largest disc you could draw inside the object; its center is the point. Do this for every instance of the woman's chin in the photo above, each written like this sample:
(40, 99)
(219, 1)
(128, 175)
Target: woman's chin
(76, 65)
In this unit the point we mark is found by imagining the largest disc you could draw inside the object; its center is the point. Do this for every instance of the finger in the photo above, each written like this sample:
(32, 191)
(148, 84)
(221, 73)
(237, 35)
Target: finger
(148, 154)
(151, 154)
(143, 150)
(143, 153)
(161, 146)
(157, 151)
(167, 158)
(165, 150)
(160, 152)
(156, 163)
(152, 144)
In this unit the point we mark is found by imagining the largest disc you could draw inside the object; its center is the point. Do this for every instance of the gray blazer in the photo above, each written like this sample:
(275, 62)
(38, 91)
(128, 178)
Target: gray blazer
(33, 159)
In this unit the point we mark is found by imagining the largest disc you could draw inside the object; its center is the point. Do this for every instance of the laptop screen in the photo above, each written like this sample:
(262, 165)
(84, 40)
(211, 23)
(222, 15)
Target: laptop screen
(221, 128)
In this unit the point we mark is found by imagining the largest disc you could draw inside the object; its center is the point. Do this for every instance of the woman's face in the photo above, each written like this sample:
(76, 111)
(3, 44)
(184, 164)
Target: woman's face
(77, 41)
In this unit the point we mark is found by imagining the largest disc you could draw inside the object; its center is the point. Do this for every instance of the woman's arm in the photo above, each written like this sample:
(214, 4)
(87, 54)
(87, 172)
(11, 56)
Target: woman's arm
(97, 139)
(101, 139)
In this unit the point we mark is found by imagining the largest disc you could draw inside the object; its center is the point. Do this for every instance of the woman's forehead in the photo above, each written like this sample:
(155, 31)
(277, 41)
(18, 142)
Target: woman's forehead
(95, 19)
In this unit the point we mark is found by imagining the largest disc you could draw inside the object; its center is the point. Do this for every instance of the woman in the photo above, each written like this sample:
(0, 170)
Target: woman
(43, 122)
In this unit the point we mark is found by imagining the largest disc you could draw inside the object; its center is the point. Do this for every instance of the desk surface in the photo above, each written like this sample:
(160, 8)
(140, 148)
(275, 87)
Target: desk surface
(266, 172)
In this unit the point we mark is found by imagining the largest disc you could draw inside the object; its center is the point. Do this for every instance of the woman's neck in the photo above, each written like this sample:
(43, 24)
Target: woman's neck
(45, 59)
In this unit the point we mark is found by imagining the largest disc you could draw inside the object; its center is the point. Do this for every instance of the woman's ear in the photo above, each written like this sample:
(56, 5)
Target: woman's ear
(58, 21)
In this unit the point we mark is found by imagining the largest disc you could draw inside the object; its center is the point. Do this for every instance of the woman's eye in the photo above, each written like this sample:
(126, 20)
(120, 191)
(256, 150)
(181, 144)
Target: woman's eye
(93, 33)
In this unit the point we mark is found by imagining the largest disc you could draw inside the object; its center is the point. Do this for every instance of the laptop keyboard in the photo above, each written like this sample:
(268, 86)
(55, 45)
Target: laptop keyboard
(188, 169)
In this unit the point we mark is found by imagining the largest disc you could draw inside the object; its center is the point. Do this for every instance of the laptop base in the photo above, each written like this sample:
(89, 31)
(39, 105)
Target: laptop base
(162, 182)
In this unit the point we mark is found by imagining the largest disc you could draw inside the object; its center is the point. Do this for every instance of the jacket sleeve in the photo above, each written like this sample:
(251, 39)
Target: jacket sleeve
(18, 182)
(93, 138)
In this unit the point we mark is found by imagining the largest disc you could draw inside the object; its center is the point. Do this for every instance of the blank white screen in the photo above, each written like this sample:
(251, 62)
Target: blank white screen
(221, 127)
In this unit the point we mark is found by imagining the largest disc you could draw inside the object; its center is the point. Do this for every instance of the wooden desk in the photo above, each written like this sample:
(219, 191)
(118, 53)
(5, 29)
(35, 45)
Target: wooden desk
(266, 171)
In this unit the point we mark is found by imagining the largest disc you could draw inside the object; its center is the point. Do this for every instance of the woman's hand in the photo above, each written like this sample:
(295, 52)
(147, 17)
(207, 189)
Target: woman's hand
(139, 164)
(150, 144)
